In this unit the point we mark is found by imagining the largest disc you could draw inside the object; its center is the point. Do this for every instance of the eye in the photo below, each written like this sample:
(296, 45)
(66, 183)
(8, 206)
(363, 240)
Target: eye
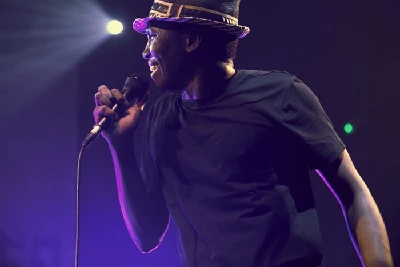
(151, 35)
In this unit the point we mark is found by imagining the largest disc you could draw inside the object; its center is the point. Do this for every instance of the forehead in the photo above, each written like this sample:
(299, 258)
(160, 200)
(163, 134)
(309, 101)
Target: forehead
(155, 29)
(165, 31)
(167, 26)
(160, 32)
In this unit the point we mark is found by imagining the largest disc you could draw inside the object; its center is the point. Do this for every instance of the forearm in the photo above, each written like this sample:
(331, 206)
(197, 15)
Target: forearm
(364, 222)
(145, 214)
(368, 230)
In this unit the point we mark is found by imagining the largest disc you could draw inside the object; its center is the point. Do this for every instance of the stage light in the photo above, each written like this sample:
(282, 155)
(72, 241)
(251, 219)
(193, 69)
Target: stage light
(348, 128)
(115, 27)
(51, 38)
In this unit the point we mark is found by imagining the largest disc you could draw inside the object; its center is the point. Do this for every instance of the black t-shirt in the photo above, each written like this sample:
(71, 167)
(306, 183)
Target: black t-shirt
(234, 171)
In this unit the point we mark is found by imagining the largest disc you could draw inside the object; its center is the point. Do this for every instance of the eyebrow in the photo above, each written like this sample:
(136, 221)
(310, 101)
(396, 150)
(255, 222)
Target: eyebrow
(151, 29)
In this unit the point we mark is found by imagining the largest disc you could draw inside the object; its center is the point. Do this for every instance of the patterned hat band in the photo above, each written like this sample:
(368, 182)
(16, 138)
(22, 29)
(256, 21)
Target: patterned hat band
(161, 9)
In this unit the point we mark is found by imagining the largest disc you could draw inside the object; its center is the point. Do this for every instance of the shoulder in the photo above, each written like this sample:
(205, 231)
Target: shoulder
(267, 78)
(273, 85)
(277, 81)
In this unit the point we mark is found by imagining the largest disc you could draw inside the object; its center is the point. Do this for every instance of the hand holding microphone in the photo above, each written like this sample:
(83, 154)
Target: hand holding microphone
(115, 115)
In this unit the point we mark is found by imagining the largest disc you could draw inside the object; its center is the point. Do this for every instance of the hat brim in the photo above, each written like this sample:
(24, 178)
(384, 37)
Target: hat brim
(140, 25)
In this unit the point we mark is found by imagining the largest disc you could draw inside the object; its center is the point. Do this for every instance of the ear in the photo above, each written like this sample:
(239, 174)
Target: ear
(192, 41)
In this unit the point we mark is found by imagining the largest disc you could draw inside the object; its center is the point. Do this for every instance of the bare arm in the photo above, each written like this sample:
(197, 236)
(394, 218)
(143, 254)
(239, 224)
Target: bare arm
(145, 213)
(365, 224)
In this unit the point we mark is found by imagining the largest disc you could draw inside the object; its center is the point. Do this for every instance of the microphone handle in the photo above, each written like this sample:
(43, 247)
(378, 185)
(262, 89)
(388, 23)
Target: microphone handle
(96, 131)
(126, 89)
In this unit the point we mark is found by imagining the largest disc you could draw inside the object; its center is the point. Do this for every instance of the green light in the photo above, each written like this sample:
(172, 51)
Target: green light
(348, 128)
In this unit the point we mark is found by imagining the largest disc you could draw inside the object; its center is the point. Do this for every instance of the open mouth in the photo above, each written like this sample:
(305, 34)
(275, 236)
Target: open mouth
(153, 68)
(153, 64)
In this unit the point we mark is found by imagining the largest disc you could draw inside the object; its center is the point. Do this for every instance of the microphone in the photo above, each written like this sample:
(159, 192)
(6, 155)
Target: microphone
(135, 86)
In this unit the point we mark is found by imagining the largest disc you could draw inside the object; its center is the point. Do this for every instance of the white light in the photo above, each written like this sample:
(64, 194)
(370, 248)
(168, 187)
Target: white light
(115, 27)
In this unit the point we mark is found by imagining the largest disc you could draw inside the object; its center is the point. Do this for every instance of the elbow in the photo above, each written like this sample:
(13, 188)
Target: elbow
(148, 236)
(149, 242)
(355, 198)
(147, 245)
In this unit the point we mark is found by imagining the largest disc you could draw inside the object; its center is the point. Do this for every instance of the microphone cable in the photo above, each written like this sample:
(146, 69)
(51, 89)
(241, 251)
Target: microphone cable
(78, 179)
(135, 85)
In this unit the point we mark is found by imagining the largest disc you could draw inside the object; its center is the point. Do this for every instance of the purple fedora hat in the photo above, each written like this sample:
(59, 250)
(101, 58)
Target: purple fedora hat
(219, 14)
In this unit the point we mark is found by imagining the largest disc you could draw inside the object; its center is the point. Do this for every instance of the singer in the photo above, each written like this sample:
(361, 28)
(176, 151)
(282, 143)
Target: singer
(227, 152)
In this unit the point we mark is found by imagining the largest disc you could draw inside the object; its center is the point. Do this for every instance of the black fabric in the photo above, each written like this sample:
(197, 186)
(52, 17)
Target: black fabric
(234, 170)
(228, 7)
(222, 15)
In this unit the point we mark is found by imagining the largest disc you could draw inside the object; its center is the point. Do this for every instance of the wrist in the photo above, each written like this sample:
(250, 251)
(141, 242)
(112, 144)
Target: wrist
(385, 262)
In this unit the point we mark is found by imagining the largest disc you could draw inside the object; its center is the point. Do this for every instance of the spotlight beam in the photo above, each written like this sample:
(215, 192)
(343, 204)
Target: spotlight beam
(45, 40)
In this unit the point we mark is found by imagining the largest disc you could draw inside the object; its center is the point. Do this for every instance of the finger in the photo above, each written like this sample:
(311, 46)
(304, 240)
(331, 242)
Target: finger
(101, 100)
(120, 99)
(105, 91)
(100, 112)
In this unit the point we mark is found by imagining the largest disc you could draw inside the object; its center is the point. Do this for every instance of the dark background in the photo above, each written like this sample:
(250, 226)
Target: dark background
(54, 55)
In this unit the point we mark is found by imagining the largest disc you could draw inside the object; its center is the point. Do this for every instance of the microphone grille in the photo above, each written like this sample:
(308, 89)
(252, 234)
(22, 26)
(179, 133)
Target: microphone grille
(135, 85)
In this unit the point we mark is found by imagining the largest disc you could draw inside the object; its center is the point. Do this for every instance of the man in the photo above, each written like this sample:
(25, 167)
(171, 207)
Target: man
(226, 152)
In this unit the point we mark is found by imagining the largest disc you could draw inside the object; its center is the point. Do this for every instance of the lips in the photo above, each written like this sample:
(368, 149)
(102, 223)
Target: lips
(153, 64)
(153, 68)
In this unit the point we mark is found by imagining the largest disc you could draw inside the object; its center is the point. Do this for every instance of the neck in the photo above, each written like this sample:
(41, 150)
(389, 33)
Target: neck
(209, 80)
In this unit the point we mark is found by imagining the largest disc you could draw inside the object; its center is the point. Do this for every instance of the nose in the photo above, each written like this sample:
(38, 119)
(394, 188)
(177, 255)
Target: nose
(146, 53)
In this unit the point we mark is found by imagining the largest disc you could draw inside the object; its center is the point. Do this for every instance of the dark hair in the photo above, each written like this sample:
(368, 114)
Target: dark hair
(216, 45)
(219, 45)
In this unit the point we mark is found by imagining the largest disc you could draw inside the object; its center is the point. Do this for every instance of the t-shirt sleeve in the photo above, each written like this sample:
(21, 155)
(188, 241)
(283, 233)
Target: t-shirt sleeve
(304, 117)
